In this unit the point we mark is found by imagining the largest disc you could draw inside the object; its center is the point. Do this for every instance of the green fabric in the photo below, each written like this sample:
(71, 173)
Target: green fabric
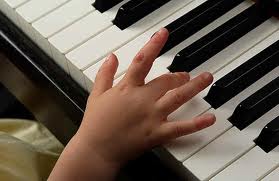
(28, 151)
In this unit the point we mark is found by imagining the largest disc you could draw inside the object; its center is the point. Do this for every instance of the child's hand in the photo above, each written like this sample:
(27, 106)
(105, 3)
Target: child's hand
(123, 121)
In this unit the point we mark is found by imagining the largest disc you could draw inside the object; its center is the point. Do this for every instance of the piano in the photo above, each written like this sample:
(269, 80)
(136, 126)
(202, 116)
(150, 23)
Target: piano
(236, 40)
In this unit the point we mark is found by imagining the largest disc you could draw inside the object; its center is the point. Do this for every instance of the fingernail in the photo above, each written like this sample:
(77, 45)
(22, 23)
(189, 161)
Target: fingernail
(161, 32)
(153, 35)
(210, 116)
(207, 76)
(108, 58)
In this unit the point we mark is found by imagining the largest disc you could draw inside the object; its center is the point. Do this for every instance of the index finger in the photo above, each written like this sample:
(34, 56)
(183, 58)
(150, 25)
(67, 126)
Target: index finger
(143, 61)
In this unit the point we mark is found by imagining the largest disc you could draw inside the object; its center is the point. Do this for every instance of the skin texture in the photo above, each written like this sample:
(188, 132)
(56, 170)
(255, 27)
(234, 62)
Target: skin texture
(123, 121)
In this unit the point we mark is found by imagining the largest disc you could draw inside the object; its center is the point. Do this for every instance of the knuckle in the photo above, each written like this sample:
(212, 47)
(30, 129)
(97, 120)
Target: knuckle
(205, 79)
(167, 78)
(172, 80)
(123, 87)
(178, 99)
(181, 78)
(178, 131)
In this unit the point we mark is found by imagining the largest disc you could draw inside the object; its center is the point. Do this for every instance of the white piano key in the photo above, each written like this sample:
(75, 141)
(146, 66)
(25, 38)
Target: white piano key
(77, 33)
(254, 165)
(197, 105)
(111, 13)
(126, 53)
(83, 29)
(182, 150)
(7, 9)
(83, 56)
(15, 3)
(58, 57)
(218, 154)
(184, 147)
(80, 31)
(35, 9)
(227, 148)
(89, 84)
(63, 16)
(76, 75)
(165, 60)
(273, 176)
(11, 13)
(125, 56)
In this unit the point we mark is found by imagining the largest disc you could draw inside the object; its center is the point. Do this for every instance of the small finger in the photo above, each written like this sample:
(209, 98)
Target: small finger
(161, 85)
(174, 99)
(143, 61)
(175, 129)
(105, 76)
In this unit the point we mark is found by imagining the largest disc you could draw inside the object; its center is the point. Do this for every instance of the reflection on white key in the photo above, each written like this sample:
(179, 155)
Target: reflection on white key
(63, 16)
(254, 165)
(126, 53)
(15, 3)
(111, 13)
(84, 29)
(125, 56)
(273, 176)
(80, 31)
(184, 147)
(227, 148)
(165, 60)
(34, 9)
(7, 8)
(83, 56)
(223, 113)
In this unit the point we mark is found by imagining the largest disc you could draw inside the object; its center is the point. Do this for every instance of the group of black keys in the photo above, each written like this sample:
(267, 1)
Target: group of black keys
(214, 42)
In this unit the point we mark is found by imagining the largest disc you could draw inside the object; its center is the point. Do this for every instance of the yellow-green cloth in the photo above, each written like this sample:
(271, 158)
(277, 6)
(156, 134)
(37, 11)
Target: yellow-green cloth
(28, 151)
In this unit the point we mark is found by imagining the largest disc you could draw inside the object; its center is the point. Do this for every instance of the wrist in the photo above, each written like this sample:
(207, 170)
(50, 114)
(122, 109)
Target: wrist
(94, 153)
(80, 162)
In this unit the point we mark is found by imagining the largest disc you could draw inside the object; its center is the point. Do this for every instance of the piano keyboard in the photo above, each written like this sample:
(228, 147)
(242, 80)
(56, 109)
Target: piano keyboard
(230, 38)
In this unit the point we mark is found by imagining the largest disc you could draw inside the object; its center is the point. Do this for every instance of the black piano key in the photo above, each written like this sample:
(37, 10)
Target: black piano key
(195, 20)
(217, 40)
(256, 105)
(271, 6)
(134, 10)
(269, 136)
(243, 76)
(103, 5)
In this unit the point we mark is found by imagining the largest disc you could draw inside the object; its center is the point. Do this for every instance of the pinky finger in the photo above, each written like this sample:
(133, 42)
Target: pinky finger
(175, 129)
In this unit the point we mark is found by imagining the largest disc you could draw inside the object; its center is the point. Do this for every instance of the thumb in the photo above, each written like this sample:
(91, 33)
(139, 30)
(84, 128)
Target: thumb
(105, 76)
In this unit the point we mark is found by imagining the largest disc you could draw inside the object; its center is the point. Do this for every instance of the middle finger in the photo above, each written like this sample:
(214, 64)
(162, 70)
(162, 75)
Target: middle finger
(173, 100)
